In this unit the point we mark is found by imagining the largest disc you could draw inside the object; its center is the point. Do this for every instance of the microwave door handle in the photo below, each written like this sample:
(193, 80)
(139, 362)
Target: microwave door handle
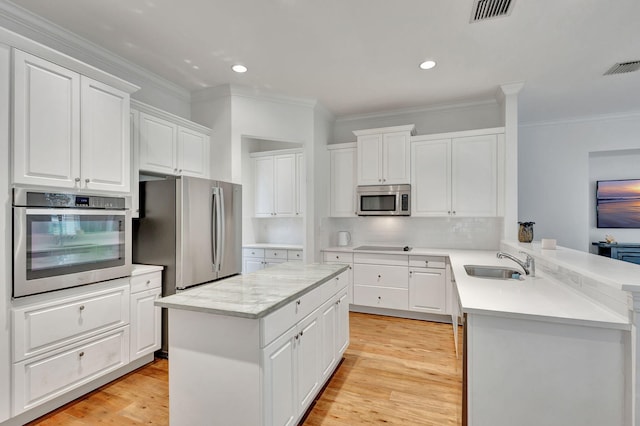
(221, 229)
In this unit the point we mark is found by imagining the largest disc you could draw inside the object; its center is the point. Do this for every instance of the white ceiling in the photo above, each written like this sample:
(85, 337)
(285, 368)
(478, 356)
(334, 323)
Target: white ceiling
(362, 56)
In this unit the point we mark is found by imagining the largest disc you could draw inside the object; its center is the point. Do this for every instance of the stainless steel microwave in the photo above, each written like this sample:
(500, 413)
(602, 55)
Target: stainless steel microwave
(384, 200)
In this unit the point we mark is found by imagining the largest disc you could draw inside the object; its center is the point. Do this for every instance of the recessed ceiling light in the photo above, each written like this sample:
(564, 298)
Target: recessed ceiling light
(427, 65)
(239, 68)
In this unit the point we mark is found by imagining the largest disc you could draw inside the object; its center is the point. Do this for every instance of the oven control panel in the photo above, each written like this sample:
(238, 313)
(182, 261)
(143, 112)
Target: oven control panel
(62, 200)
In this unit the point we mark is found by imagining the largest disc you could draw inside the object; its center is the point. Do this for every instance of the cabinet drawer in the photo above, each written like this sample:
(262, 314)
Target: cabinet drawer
(146, 282)
(253, 252)
(381, 297)
(427, 262)
(45, 326)
(275, 254)
(46, 377)
(337, 257)
(294, 254)
(277, 322)
(331, 287)
(381, 259)
(381, 275)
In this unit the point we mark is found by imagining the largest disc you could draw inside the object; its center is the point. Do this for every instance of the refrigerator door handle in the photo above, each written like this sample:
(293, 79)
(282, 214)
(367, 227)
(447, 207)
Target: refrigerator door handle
(218, 228)
(214, 229)
(222, 229)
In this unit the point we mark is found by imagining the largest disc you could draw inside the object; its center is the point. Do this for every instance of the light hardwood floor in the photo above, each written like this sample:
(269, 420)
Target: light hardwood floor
(395, 371)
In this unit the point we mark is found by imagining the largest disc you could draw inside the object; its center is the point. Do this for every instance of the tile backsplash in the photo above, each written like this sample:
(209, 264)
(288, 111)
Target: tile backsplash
(455, 233)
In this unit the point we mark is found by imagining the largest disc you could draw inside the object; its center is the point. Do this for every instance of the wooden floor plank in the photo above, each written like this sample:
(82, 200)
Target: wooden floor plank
(395, 372)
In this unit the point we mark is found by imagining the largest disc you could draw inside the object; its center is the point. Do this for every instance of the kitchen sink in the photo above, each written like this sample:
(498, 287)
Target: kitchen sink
(493, 272)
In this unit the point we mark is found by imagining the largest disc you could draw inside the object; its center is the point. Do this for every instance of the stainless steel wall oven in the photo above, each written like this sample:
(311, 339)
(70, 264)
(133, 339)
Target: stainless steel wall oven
(63, 240)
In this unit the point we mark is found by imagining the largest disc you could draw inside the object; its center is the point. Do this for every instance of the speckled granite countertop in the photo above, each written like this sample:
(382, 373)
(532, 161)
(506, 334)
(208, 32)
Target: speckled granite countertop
(254, 295)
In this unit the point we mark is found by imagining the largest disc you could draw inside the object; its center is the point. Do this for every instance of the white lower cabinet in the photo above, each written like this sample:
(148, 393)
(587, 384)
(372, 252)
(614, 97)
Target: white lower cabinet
(254, 259)
(42, 378)
(381, 281)
(145, 316)
(298, 362)
(63, 342)
(338, 257)
(428, 285)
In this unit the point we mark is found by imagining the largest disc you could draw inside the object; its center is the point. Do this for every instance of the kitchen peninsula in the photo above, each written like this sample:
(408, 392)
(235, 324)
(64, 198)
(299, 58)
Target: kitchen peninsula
(256, 349)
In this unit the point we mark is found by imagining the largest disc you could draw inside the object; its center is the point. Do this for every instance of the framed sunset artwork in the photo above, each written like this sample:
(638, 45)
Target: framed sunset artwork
(618, 203)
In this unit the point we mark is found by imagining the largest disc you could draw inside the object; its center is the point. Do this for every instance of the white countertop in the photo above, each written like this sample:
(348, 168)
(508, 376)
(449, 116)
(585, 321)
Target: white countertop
(618, 274)
(139, 269)
(539, 298)
(253, 295)
(274, 246)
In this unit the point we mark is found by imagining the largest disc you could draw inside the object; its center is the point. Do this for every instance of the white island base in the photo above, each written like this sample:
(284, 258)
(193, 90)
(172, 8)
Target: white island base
(261, 367)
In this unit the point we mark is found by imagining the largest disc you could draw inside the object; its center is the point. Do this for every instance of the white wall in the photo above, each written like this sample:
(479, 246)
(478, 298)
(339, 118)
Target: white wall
(319, 170)
(236, 114)
(443, 119)
(553, 169)
(5, 243)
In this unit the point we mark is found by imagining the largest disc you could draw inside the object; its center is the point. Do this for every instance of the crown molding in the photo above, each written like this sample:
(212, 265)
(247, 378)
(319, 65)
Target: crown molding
(585, 119)
(157, 112)
(28, 24)
(232, 90)
(417, 110)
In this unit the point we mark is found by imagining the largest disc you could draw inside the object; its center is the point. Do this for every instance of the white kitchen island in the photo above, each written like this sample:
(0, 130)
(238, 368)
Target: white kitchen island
(255, 349)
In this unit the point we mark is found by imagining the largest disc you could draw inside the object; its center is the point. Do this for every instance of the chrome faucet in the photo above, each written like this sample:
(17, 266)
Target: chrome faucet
(529, 265)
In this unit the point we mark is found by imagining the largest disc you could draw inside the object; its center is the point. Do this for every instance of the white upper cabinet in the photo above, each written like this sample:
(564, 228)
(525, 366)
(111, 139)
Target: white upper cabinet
(193, 153)
(105, 137)
(69, 131)
(158, 144)
(457, 176)
(171, 145)
(279, 184)
(343, 180)
(284, 188)
(474, 176)
(263, 187)
(383, 155)
(431, 178)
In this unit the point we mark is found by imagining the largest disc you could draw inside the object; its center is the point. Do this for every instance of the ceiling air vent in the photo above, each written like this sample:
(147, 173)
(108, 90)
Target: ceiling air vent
(487, 9)
(623, 67)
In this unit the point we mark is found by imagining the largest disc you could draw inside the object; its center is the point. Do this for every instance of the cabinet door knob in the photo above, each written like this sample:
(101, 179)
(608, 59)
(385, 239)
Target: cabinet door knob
(148, 282)
(81, 354)
(180, 171)
(82, 307)
(77, 179)
(87, 180)
(379, 276)
(298, 302)
(454, 212)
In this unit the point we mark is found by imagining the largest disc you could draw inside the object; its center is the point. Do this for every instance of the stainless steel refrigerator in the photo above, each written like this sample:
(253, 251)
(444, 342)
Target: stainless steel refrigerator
(192, 227)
